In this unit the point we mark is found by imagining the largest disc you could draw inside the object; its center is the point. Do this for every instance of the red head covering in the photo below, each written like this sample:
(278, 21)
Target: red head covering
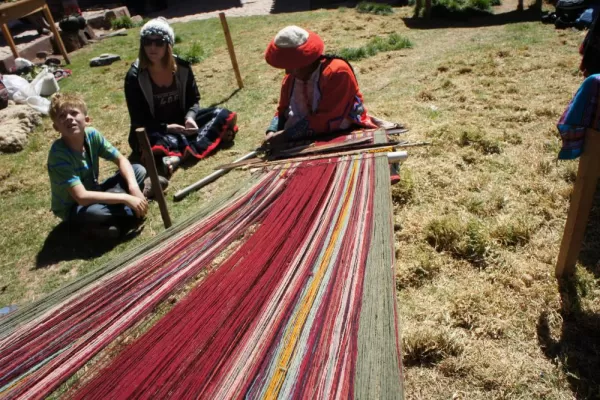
(294, 47)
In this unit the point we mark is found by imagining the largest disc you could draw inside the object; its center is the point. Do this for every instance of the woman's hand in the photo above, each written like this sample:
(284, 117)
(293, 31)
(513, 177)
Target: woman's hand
(175, 128)
(191, 124)
(274, 139)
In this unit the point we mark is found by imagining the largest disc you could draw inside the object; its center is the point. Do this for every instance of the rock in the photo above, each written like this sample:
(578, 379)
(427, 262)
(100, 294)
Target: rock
(16, 123)
(527, 280)
(137, 19)
(42, 55)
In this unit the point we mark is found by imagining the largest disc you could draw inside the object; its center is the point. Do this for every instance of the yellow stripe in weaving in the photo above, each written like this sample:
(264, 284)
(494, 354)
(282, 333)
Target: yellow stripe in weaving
(291, 338)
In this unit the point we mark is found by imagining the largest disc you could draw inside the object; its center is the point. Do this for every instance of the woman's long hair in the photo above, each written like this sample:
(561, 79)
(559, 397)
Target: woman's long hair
(168, 60)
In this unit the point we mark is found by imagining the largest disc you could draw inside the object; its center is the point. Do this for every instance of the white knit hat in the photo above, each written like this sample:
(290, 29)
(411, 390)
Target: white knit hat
(158, 27)
(291, 36)
(294, 47)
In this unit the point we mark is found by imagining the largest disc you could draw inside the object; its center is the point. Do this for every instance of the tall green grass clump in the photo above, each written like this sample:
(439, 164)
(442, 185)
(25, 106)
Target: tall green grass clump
(374, 8)
(122, 22)
(461, 9)
(376, 45)
(194, 54)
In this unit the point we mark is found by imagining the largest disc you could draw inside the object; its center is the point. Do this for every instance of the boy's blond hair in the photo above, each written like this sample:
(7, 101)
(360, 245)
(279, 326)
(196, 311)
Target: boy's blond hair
(59, 101)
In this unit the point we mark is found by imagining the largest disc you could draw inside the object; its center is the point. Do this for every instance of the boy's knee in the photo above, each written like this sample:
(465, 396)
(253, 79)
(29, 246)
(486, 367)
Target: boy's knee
(139, 172)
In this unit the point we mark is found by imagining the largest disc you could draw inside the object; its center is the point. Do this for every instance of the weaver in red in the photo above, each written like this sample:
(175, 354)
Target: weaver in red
(319, 93)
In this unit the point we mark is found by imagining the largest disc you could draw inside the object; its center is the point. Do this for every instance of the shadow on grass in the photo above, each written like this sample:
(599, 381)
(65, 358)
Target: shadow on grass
(66, 243)
(589, 256)
(226, 99)
(511, 17)
(285, 6)
(578, 348)
(184, 8)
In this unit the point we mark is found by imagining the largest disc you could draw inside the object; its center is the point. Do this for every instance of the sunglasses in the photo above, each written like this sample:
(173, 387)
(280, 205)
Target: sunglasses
(158, 42)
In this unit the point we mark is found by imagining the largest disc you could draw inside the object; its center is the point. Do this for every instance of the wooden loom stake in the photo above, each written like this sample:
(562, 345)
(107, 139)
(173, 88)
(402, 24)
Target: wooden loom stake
(151, 168)
(581, 204)
(234, 63)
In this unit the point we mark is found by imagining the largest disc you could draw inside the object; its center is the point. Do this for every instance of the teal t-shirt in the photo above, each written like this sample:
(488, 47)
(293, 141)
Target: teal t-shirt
(68, 168)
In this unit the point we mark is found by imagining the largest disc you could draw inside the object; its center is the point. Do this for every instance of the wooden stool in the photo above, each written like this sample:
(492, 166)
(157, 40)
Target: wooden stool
(23, 8)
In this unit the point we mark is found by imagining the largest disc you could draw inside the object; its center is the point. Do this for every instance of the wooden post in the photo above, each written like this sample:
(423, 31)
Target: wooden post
(427, 9)
(581, 204)
(9, 40)
(234, 63)
(151, 168)
(57, 38)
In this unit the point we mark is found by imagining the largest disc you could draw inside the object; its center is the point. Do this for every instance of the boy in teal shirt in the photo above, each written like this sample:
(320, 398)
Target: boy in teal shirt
(103, 209)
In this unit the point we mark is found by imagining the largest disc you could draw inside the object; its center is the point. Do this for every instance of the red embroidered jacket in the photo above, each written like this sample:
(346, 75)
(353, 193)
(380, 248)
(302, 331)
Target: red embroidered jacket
(340, 98)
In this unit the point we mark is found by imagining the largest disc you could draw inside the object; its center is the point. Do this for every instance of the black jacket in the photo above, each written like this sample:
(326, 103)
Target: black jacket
(138, 94)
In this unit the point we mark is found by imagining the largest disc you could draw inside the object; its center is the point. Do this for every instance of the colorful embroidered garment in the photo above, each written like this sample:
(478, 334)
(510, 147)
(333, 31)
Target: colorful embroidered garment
(213, 124)
(581, 113)
(329, 101)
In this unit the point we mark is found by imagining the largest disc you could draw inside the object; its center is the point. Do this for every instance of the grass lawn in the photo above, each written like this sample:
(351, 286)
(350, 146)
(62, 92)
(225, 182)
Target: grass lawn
(478, 216)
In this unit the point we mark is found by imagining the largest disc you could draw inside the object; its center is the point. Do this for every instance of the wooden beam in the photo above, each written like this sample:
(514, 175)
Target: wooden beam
(151, 169)
(581, 204)
(428, 9)
(234, 63)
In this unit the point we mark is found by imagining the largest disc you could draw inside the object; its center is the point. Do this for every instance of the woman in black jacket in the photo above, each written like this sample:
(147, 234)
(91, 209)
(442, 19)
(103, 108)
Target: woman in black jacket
(162, 97)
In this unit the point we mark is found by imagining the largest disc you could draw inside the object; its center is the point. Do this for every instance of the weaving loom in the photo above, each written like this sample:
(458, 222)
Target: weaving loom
(301, 306)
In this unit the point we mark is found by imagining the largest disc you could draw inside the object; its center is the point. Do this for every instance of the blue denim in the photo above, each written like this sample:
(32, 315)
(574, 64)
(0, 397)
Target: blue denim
(105, 214)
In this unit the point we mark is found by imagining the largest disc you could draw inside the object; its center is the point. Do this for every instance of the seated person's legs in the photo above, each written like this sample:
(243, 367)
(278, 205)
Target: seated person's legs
(117, 183)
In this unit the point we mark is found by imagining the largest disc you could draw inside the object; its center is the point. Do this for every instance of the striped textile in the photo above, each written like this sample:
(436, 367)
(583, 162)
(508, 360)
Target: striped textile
(583, 112)
(303, 307)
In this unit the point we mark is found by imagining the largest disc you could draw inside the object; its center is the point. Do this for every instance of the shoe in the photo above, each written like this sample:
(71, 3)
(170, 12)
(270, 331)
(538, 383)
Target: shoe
(169, 165)
(110, 232)
(148, 190)
(231, 131)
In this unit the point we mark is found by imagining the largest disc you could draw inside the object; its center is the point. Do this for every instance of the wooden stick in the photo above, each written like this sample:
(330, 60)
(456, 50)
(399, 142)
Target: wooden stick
(582, 200)
(151, 168)
(234, 63)
(57, 37)
(385, 149)
(210, 178)
(9, 40)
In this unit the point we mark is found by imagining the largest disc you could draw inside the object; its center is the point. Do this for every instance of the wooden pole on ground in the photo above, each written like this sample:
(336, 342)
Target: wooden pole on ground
(234, 63)
(151, 169)
(581, 204)
(210, 178)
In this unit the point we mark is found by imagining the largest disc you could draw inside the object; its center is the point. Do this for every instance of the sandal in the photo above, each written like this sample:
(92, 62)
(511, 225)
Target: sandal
(230, 132)
(169, 165)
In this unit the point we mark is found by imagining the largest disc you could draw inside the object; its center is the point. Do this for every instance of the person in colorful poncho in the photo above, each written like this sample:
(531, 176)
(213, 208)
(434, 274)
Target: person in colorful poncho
(319, 93)
(162, 97)
(583, 112)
